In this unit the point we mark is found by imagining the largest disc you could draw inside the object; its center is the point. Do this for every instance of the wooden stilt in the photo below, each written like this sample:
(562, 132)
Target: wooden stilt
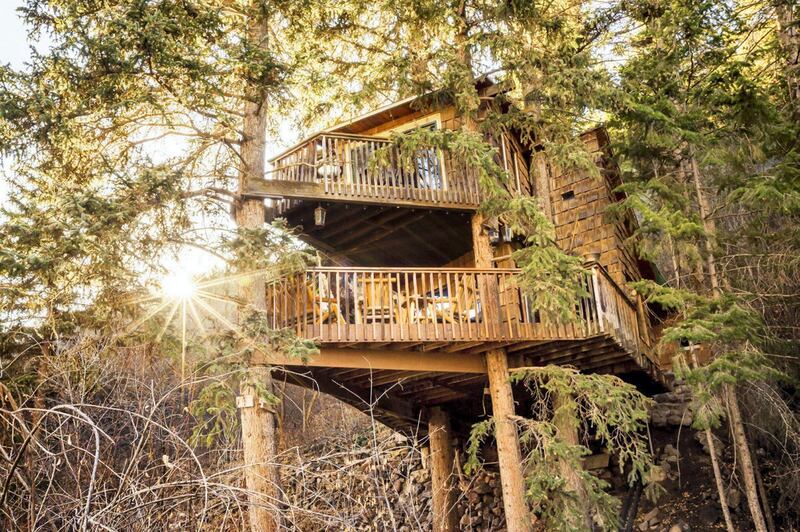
(442, 483)
(518, 518)
(511, 478)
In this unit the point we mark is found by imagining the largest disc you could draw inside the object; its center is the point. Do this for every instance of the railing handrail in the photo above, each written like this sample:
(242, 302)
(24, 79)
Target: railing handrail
(614, 284)
(403, 269)
(347, 136)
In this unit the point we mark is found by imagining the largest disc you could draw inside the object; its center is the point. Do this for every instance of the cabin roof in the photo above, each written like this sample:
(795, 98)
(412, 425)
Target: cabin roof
(381, 115)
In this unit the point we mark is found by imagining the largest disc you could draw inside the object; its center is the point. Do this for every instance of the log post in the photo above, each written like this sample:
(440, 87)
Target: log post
(258, 421)
(518, 518)
(508, 453)
(443, 491)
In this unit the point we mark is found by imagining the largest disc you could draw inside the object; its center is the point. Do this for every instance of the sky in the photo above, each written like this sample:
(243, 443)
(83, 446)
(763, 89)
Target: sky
(14, 46)
(15, 49)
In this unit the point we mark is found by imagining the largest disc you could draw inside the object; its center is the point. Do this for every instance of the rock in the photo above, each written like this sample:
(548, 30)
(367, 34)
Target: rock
(482, 488)
(709, 514)
(649, 516)
(733, 496)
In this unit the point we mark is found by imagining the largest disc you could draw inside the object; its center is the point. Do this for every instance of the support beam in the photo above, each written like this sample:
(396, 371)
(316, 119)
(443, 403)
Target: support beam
(384, 359)
(518, 518)
(443, 489)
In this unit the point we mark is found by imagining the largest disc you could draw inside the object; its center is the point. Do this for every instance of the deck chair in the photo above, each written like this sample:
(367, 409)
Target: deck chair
(320, 302)
(461, 306)
(378, 300)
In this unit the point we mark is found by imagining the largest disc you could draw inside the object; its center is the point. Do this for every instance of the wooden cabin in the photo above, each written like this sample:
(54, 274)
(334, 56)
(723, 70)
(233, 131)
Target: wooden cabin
(403, 312)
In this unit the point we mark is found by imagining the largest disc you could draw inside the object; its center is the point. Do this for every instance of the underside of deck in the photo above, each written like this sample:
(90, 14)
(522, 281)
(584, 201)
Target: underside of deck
(398, 383)
(381, 235)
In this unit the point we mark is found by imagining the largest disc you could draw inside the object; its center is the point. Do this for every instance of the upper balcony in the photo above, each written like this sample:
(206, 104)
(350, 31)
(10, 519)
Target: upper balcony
(335, 167)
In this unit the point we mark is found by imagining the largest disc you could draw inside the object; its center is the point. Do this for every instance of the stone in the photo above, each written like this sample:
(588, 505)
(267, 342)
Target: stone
(733, 496)
(649, 516)
(709, 514)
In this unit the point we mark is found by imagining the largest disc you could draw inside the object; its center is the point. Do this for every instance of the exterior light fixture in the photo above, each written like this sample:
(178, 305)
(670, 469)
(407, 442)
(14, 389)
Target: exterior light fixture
(494, 236)
(508, 234)
(491, 229)
(319, 216)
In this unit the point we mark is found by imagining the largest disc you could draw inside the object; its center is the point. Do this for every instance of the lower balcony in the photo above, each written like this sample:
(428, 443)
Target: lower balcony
(448, 309)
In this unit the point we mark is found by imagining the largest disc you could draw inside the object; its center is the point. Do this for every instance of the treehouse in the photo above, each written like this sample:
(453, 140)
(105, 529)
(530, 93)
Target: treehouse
(418, 307)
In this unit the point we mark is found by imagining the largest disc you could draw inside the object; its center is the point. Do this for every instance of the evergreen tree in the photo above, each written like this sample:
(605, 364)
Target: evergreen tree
(712, 161)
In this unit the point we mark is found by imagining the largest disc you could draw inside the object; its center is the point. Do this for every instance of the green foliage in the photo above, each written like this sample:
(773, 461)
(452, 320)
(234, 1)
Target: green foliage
(603, 409)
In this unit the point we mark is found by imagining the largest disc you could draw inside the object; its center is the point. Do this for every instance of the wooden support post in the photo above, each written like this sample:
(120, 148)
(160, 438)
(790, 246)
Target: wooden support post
(509, 456)
(442, 457)
(518, 518)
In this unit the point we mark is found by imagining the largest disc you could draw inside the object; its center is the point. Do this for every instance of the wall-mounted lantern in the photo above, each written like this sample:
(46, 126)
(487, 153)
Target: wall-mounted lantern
(508, 234)
(490, 228)
(319, 216)
(494, 236)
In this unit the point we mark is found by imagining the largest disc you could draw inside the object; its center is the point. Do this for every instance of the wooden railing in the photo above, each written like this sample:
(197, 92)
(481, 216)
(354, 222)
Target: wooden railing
(619, 314)
(341, 167)
(438, 305)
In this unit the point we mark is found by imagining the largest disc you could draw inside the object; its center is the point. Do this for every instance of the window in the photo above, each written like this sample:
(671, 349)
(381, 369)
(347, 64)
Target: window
(428, 162)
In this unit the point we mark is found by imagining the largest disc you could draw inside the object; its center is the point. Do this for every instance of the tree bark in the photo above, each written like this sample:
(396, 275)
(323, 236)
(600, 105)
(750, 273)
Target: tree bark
(541, 175)
(712, 451)
(743, 454)
(258, 422)
(511, 477)
(566, 423)
(736, 424)
(443, 492)
(518, 518)
(789, 39)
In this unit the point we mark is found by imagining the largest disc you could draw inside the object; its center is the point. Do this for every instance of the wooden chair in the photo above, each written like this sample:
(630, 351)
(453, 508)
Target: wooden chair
(378, 300)
(321, 303)
(459, 307)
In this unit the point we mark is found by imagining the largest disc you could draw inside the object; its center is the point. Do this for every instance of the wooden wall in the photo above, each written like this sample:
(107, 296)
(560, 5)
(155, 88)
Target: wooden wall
(579, 202)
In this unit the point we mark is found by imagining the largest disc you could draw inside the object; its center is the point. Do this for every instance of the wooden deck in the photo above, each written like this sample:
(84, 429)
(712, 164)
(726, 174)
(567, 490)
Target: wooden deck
(450, 309)
(340, 167)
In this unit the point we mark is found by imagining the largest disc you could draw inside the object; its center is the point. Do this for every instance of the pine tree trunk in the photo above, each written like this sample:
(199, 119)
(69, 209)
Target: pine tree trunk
(737, 427)
(789, 38)
(566, 423)
(712, 451)
(743, 454)
(258, 422)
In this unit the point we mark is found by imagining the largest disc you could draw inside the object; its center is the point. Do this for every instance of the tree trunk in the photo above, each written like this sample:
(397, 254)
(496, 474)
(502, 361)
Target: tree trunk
(258, 421)
(443, 492)
(737, 427)
(566, 423)
(712, 451)
(789, 38)
(743, 454)
(518, 518)
(511, 478)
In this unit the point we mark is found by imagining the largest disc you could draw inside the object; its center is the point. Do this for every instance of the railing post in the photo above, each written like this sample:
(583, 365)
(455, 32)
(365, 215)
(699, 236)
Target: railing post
(597, 298)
